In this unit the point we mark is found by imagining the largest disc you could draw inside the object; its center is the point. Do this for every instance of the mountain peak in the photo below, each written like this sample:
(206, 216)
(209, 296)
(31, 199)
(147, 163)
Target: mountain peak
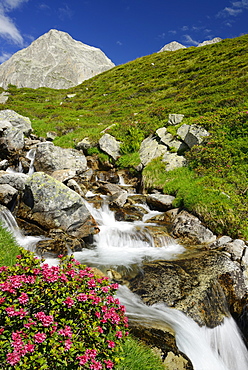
(53, 60)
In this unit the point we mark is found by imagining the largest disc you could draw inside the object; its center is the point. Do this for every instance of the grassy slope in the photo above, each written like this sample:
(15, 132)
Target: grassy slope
(208, 85)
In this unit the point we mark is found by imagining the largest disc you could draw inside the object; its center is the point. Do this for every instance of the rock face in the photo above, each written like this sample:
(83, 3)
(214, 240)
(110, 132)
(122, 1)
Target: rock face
(172, 46)
(209, 42)
(54, 60)
(207, 287)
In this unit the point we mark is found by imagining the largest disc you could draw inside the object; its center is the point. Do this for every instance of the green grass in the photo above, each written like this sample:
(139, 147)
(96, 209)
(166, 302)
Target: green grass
(8, 248)
(138, 356)
(207, 84)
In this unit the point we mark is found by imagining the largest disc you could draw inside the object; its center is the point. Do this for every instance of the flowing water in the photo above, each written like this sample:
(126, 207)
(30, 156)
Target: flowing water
(221, 348)
(125, 244)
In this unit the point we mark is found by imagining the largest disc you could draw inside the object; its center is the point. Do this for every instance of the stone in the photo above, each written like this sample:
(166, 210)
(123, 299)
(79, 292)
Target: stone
(16, 180)
(190, 228)
(54, 60)
(16, 120)
(4, 96)
(84, 144)
(172, 46)
(192, 134)
(7, 194)
(110, 145)
(50, 158)
(52, 205)
(173, 161)
(169, 140)
(160, 202)
(175, 119)
(150, 148)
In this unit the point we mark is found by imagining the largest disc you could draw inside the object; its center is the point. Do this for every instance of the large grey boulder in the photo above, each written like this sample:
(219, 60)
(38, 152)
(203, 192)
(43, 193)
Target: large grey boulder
(110, 145)
(13, 127)
(50, 158)
(190, 228)
(16, 180)
(16, 120)
(50, 204)
(54, 60)
(192, 134)
(151, 148)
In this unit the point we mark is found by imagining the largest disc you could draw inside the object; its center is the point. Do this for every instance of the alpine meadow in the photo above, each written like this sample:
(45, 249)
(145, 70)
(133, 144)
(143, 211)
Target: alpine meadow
(208, 85)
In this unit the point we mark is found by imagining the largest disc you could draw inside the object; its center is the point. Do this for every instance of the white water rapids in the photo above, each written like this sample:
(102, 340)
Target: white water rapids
(124, 244)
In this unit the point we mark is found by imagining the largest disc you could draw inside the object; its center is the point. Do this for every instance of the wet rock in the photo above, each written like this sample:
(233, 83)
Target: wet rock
(190, 228)
(50, 158)
(58, 242)
(8, 194)
(17, 180)
(206, 287)
(50, 204)
(160, 202)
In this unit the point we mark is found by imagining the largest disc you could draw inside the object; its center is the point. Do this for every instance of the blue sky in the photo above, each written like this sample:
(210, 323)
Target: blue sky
(123, 29)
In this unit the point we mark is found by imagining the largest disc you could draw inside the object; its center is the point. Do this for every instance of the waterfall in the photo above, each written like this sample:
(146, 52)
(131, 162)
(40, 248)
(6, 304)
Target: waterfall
(31, 156)
(8, 221)
(221, 348)
(121, 243)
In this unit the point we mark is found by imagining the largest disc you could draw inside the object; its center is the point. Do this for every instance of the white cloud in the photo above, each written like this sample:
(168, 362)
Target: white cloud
(188, 40)
(119, 43)
(8, 29)
(65, 12)
(4, 57)
(236, 8)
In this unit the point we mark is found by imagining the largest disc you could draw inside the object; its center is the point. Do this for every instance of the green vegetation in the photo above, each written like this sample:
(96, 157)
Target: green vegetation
(207, 84)
(8, 248)
(139, 357)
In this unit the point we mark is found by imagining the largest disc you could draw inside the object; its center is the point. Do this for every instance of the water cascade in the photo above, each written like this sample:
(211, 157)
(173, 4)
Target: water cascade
(221, 348)
(123, 244)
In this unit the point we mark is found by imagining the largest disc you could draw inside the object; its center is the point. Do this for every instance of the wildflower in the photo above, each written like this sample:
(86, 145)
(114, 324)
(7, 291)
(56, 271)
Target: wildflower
(69, 301)
(118, 334)
(13, 358)
(39, 337)
(111, 344)
(23, 299)
(109, 364)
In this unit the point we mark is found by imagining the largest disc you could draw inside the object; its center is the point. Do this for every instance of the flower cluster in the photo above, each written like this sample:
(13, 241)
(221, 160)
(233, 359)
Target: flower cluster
(61, 317)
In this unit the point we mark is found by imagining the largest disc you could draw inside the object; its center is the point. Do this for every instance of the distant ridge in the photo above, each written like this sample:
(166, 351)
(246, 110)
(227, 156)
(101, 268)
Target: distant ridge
(53, 60)
(174, 45)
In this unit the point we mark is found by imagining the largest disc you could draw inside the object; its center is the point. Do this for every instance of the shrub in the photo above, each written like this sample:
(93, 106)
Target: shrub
(60, 317)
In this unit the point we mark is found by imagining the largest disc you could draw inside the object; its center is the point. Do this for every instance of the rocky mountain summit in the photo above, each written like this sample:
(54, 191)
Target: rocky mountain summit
(174, 45)
(54, 60)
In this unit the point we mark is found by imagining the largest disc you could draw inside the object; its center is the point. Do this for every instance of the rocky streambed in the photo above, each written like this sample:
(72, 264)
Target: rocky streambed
(172, 268)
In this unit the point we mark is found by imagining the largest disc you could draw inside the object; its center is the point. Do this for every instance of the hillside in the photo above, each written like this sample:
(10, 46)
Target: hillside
(208, 85)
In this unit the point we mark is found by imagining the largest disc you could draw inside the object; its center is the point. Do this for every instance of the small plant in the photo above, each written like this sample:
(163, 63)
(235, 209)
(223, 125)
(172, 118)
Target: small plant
(60, 317)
